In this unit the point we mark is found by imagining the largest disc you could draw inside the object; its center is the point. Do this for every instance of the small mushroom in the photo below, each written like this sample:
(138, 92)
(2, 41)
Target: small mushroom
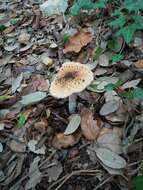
(72, 78)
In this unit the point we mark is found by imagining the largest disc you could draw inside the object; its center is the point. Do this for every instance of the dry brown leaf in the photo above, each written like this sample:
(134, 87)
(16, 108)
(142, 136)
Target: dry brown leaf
(63, 141)
(41, 125)
(37, 83)
(79, 40)
(139, 64)
(105, 130)
(90, 127)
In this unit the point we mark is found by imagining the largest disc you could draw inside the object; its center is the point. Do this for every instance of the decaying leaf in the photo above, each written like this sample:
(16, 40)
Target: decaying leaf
(110, 158)
(63, 141)
(89, 127)
(52, 7)
(34, 174)
(55, 171)
(73, 124)
(131, 84)
(79, 40)
(1, 147)
(17, 146)
(37, 83)
(111, 141)
(32, 147)
(33, 97)
(16, 83)
(109, 107)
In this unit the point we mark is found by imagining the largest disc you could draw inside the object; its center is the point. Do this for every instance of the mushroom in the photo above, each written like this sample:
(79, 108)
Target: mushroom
(72, 77)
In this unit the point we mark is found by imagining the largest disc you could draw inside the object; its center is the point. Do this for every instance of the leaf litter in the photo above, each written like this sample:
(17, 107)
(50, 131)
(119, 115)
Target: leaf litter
(43, 145)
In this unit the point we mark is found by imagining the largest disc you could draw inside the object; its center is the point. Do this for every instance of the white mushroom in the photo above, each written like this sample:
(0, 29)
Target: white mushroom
(73, 77)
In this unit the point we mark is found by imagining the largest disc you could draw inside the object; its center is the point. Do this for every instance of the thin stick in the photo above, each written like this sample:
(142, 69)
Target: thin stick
(68, 176)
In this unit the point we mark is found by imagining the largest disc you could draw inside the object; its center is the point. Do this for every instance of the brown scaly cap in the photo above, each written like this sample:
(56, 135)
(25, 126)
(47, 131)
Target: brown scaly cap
(72, 77)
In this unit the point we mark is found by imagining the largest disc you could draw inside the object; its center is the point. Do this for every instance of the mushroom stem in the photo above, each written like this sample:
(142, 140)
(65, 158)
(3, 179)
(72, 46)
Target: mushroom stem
(72, 103)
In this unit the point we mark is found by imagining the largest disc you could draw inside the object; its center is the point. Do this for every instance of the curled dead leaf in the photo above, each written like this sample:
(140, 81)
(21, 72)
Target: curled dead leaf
(90, 127)
(79, 40)
(64, 141)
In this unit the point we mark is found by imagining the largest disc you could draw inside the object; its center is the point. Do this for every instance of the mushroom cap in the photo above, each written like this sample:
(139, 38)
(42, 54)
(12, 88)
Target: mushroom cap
(72, 77)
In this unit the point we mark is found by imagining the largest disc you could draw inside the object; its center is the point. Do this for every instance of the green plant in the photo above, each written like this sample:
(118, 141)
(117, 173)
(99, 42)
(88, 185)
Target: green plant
(127, 21)
(86, 5)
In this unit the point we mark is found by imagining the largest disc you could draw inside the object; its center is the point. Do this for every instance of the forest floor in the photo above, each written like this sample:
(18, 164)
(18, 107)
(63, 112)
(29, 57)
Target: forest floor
(44, 145)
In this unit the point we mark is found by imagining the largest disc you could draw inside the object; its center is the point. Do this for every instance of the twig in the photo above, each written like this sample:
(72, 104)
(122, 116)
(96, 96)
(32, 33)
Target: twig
(103, 182)
(68, 176)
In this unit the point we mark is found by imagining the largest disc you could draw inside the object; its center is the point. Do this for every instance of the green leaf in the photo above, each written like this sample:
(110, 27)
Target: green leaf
(127, 32)
(138, 182)
(2, 27)
(111, 86)
(80, 4)
(74, 9)
(98, 52)
(22, 120)
(138, 93)
(86, 5)
(23, 117)
(14, 21)
(66, 37)
(133, 94)
(138, 21)
(119, 21)
(115, 44)
(100, 4)
(5, 97)
(117, 57)
(132, 5)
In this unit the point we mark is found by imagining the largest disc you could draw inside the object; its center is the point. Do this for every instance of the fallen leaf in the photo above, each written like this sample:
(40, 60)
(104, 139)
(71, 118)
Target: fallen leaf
(1, 126)
(2, 176)
(90, 128)
(1, 147)
(52, 7)
(5, 97)
(131, 84)
(104, 60)
(110, 158)
(24, 37)
(118, 117)
(5, 60)
(111, 141)
(23, 117)
(11, 47)
(37, 83)
(99, 84)
(16, 83)
(14, 167)
(109, 107)
(41, 125)
(55, 171)
(79, 40)
(33, 97)
(17, 146)
(105, 130)
(32, 147)
(112, 171)
(34, 174)
(73, 124)
(46, 60)
(61, 140)
(139, 64)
